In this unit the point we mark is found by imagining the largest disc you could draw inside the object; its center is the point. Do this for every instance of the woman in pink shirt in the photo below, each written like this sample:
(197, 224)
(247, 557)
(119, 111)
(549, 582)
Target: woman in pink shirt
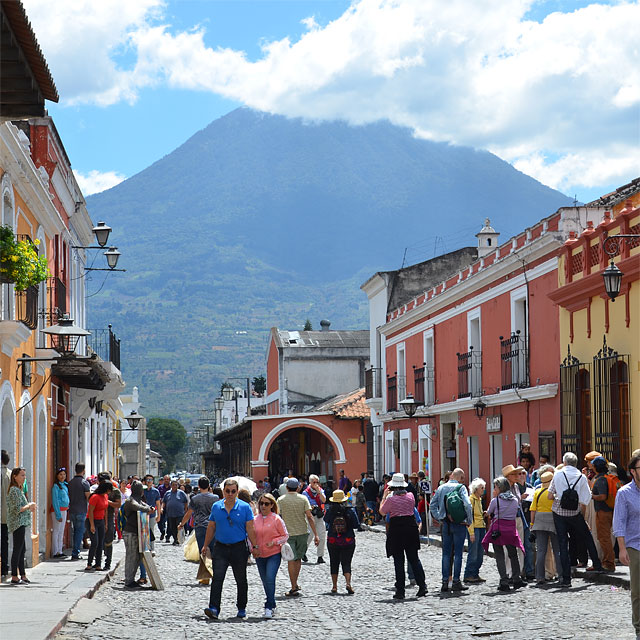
(402, 536)
(271, 534)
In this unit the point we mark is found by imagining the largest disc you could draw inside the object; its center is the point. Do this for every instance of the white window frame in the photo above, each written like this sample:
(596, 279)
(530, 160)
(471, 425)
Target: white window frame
(429, 359)
(401, 358)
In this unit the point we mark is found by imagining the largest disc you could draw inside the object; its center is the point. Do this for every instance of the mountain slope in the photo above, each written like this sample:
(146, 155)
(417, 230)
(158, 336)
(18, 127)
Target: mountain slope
(258, 220)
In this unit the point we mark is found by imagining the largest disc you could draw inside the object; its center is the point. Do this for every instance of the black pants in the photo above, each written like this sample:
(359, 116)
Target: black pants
(17, 557)
(340, 555)
(97, 542)
(416, 565)
(570, 527)
(235, 555)
(172, 528)
(109, 537)
(498, 551)
(4, 548)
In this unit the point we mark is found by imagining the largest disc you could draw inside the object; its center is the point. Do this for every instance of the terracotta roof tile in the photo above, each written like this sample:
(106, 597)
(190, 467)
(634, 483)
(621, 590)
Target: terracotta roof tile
(347, 405)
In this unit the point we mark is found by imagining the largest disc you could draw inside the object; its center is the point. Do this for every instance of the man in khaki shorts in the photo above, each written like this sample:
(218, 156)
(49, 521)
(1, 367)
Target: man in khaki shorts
(296, 513)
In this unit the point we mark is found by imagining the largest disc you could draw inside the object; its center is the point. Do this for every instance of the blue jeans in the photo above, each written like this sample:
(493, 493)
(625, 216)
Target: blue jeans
(77, 522)
(453, 537)
(201, 534)
(475, 554)
(528, 551)
(268, 570)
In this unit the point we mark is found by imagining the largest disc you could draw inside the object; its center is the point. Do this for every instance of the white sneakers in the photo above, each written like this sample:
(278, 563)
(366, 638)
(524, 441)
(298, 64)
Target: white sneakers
(268, 613)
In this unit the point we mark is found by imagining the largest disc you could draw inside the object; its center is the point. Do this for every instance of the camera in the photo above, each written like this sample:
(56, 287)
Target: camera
(495, 535)
(532, 536)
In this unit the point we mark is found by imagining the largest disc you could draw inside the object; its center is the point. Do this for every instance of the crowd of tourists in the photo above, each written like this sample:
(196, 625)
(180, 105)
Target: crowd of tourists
(541, 521)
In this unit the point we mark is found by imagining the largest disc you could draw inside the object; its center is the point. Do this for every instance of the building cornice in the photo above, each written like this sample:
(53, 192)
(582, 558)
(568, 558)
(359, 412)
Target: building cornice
(545, 245)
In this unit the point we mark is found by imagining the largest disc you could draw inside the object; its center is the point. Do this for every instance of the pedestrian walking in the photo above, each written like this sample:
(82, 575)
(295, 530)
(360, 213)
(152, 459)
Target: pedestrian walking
(296, 513)
(162, 518)
(503, 533)
(231, 523)
(79, 491)
(317, 499)
(476, 532)
(452, 508)
(271, 534)
(153, 499)
(133, 558)
(626, 528)
(174, 504)
(5, 478)
(403, 538)
(543, 527)
(344, 484)
(603, 495)
(19, 511)
(115, 501)
(59, 509)
(341, 523)
(98, 504)
(571, 494)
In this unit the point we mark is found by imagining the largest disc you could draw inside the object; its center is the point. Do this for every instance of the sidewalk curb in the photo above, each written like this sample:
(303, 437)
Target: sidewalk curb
(105, 578)
(601, 578)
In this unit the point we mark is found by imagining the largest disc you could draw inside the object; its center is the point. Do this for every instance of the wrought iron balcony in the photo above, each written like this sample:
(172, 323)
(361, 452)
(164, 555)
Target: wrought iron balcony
(373, 382)
(424, 385)
(470, 374)
(514, 357)
(27, 306)
(105, 343)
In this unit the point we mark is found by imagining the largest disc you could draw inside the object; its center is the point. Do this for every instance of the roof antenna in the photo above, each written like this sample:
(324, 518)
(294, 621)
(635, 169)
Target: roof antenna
(404, 257)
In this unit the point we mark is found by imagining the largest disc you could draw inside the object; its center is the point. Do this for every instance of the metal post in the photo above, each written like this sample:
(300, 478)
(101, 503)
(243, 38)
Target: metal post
(248, 397)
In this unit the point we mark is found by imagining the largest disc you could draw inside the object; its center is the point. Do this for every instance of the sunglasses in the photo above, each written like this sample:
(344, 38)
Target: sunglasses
(62, 469)
(264, 504)
(231, 491)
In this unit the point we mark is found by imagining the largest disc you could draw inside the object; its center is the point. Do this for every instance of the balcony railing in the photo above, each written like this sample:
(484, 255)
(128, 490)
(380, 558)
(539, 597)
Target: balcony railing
(470, 374)
(514, 357)
(105, 343)
(27, 306)
(424, 385)
(373, 383)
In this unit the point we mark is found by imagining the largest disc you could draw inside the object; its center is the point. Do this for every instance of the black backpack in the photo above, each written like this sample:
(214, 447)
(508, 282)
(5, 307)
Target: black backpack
(340, 523)
(569, 499)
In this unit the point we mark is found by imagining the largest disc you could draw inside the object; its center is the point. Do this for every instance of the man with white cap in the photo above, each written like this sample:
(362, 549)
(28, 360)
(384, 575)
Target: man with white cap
(452, 507)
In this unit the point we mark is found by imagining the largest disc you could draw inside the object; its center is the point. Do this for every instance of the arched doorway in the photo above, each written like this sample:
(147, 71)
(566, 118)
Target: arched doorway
(27, 461)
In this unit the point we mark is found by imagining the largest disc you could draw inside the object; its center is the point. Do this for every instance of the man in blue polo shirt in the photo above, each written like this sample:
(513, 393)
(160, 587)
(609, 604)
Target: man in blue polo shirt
(231, 523)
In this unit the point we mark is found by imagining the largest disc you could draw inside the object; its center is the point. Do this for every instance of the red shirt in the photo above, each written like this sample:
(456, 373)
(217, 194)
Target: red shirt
(100, 503)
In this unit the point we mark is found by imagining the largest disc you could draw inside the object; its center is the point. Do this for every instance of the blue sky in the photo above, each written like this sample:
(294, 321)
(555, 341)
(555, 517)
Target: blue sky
(551, 86)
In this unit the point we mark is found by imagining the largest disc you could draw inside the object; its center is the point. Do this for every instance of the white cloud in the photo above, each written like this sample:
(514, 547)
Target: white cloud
(473, 73)
(96, 181)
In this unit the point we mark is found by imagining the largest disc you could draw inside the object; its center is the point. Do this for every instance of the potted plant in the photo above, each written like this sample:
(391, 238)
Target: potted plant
(20, 262)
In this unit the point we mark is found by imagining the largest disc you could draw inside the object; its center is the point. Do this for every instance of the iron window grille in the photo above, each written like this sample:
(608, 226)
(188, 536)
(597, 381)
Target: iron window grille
(470, 374)
(514, 356)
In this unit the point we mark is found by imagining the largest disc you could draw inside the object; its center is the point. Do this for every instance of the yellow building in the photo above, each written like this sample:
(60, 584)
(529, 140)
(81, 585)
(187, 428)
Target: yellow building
(600, 337)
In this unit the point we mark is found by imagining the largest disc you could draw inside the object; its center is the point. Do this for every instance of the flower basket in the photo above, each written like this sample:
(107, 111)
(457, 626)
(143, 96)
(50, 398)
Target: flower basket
(20, 263)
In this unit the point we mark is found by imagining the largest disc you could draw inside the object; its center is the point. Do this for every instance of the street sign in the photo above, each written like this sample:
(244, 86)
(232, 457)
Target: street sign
(494, 423)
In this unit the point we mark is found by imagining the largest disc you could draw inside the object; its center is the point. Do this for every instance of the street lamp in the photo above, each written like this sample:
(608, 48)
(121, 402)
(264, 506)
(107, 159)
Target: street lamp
(479, 408)
(65, 337)
(409, 405)
(133, 419)
(612, 276)
(227, 390)
(101, 232)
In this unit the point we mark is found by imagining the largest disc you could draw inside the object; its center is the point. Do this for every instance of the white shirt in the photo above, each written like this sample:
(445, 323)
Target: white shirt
(559, 485)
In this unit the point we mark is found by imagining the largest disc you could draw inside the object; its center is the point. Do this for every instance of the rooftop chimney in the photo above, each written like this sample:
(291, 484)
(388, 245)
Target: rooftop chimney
(324, 325)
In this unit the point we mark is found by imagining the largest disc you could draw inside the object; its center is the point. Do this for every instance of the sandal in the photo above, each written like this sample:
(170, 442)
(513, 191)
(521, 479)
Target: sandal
(334, 590)
(16, 581)
(291, 593)
(25, 580)
(350, 590)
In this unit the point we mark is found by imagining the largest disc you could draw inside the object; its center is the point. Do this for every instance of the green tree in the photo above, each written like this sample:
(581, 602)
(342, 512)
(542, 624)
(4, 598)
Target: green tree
(260, 385)
(307, 325)
(168, 437)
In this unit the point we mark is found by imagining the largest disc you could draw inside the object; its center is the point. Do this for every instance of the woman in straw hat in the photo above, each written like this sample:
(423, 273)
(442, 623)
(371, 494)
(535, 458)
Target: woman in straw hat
(341, 521)
(542, 526)
(402, 537)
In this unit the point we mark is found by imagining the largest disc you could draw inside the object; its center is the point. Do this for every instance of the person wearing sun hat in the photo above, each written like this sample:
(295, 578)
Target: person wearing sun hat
(542, 526)
(341, 521)
(402, 536)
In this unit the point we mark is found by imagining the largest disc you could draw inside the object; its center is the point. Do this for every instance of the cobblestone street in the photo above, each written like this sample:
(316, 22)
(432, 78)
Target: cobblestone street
(588, 609)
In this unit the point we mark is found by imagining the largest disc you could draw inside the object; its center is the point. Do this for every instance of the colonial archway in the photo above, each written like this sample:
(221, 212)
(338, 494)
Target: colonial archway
(8, 421)
(300, 422)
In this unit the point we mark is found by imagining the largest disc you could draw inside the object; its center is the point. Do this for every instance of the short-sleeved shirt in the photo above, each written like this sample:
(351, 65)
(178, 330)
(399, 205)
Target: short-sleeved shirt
(231, 527)
(601, 488)
(174, 503)
(100, 502)
(201, 505)
(293, 509)
(151, 495)
(78, 487)
(542, 501)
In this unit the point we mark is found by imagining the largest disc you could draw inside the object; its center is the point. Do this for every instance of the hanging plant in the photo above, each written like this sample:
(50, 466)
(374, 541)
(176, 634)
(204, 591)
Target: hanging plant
(20, 262)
